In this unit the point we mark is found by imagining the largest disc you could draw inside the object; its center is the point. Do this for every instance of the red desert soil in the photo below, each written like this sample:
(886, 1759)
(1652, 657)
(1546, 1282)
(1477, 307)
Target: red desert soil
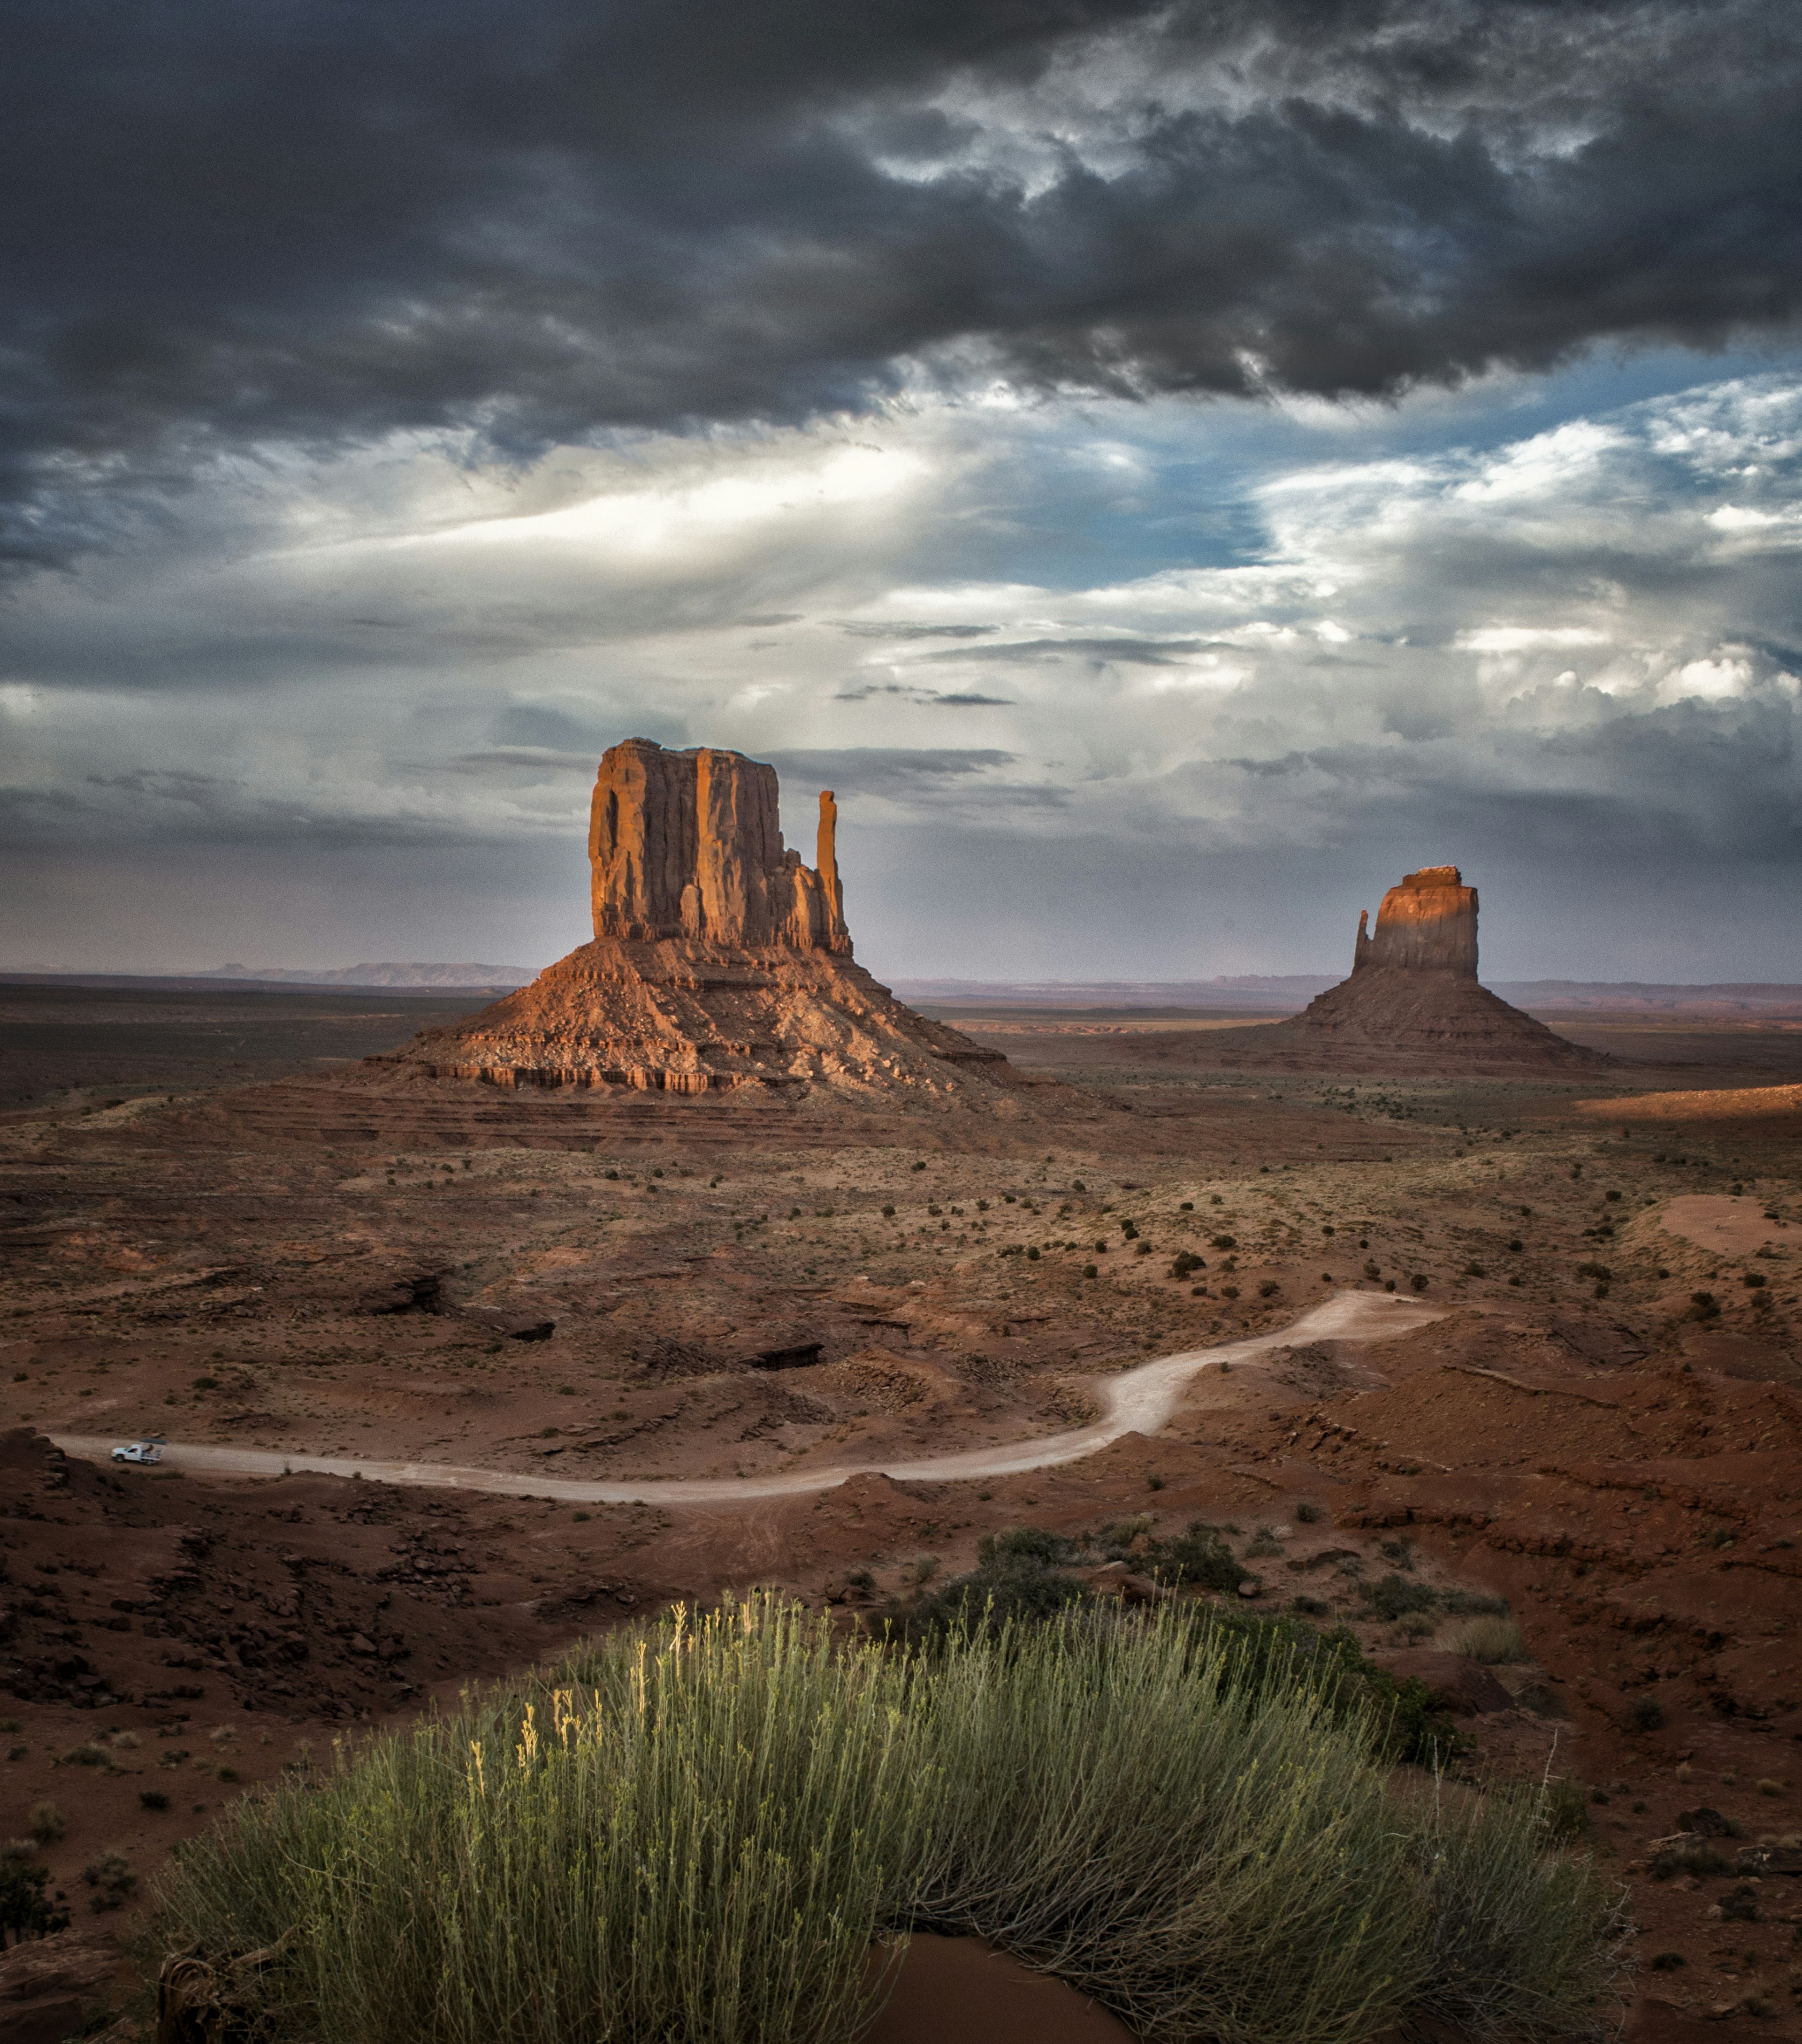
(623, 1289)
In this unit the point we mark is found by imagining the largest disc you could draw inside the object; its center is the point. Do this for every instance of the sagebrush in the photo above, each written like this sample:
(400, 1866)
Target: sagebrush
(701, 1831)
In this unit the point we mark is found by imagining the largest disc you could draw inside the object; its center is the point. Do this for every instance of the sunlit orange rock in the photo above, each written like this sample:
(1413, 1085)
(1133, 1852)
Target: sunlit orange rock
(719, 960)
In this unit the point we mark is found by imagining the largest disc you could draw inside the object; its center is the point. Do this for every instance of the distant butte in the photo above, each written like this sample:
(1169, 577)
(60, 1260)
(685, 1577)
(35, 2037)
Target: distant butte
(720, 961)
(1413, 1002)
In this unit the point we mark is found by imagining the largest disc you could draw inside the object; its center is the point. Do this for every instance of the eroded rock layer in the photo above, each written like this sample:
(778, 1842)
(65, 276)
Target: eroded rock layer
(677, 1014)
(720, 961)
(1413, 1002)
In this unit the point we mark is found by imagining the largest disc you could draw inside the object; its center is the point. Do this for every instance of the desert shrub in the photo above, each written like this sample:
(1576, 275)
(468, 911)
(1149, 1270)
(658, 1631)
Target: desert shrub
(1307, 1513)
(1391, 1594)
(1199, 1555)
(1019, 1574)
(1741, 1906)
(1492, 1640)
(112, 1881)
(1562, 1813)
(1700, 1859)
(1100, 1770)
(698, 1832)
(1473, 1603)
(1520, 1939)
(693, 1841)
(46, 1824)
(24, 1910)
(153, 1799)
(1647, 1713)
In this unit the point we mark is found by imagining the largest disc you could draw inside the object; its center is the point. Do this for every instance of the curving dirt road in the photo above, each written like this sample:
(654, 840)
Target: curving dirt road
(1139, 1401)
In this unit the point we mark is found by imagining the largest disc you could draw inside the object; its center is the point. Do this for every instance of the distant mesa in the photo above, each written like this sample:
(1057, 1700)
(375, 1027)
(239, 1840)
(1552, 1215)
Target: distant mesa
(1412, 1000)
(720, 961)
(476, 977)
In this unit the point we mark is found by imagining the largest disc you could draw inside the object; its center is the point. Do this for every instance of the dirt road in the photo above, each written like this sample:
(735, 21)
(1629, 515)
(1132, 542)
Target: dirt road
(1140, 1400)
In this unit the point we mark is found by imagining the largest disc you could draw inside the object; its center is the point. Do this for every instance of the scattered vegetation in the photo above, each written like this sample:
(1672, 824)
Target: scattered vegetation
(698, 1832)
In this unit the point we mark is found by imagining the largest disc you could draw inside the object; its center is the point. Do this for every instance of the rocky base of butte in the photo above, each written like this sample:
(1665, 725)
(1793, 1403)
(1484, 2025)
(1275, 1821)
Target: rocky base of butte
(719, 962)
(1413, 1001)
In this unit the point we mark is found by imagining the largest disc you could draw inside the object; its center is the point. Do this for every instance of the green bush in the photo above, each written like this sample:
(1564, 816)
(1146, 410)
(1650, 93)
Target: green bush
(697, 1839)
(697, 1832)
(24, 1910)
(1199, 1555)
(1511, 1927)
(1391, 1594)
(1019, 1574)
(1474, 1603)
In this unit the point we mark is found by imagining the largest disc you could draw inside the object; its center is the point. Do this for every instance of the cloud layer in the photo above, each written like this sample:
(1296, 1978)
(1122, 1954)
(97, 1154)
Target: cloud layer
(322, 226)
(1567, 659)
(1170, 464)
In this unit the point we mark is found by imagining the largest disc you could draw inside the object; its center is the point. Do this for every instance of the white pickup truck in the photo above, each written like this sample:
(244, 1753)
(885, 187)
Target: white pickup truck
(147, 1452)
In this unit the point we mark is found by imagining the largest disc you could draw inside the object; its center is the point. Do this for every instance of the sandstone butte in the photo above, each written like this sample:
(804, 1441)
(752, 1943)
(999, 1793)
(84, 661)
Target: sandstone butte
(1413, 1002)
(720, 961)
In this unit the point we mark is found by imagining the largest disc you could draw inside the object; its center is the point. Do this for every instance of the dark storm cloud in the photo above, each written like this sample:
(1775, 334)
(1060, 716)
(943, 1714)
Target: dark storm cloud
(322, 223)
(860, 631)
(932, 698)
(881, 770)
(506, 759)
(1707, 787)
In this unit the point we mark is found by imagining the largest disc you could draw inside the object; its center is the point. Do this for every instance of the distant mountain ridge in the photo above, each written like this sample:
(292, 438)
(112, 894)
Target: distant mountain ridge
(1291, 992)
(380, 975)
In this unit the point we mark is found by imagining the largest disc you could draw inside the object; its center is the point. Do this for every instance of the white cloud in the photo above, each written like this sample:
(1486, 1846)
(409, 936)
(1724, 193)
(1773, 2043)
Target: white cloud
(1528, 638)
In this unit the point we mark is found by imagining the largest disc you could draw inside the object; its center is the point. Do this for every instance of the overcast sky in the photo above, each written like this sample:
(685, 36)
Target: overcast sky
(1171, 469)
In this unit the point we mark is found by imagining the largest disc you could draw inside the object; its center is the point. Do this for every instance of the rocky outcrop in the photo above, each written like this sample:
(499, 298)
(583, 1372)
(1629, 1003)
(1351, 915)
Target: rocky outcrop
(687, 844)
(720, 961)
(1426, 924)
(1412, 1002)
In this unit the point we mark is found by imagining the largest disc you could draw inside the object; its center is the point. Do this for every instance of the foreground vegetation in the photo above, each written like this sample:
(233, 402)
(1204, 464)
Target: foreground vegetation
(700, 1832)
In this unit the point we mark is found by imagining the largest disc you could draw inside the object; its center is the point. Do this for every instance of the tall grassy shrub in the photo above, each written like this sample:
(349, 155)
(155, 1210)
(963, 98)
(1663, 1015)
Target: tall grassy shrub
(697, 1846)
(1207, 1856)
(699, 1832)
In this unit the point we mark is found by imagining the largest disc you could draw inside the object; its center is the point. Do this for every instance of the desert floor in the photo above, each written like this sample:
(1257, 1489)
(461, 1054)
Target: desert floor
(218, 1228)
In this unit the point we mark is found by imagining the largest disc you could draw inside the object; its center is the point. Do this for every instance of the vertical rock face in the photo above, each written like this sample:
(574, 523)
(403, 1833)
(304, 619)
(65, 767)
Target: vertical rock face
(1426, 924)
(689, 844)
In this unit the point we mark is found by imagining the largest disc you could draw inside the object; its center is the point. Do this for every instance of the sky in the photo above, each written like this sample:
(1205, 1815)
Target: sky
(1170, 468)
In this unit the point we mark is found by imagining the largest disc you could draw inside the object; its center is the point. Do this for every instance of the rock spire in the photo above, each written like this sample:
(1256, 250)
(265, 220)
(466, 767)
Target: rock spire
(687, 844)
